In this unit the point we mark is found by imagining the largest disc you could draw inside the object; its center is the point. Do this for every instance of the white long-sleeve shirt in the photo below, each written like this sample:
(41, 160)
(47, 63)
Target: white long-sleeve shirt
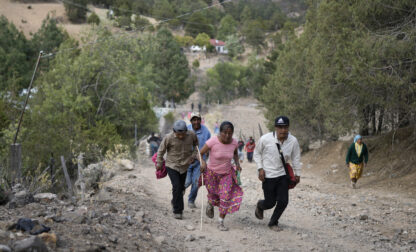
(267, 157)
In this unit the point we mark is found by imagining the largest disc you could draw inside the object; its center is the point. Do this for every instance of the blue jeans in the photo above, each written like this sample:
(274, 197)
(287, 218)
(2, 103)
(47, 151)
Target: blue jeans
(250, 156)
(192, 177)
(153, 149)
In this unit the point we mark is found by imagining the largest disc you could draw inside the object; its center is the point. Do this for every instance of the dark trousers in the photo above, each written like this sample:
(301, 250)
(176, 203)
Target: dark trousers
(275, 190)
(178, 186)
(250, 156)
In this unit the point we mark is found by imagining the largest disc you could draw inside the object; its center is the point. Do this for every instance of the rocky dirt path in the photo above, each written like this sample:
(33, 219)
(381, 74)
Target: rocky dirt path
(132, 212)
(321, 216)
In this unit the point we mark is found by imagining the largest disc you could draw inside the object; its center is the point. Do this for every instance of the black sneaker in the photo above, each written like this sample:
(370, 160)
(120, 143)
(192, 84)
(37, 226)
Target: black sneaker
(209, 211)
(259, 212)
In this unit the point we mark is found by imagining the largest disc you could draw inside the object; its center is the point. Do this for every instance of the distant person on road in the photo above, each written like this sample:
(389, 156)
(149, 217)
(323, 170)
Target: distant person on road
(193, 173)
(199, 107)
(250, 146)
(356, 160)
(219, 175)
(240, 150)
(154, 142)
(216, 128)
(192, 106)
(275, 183)
(180, 146)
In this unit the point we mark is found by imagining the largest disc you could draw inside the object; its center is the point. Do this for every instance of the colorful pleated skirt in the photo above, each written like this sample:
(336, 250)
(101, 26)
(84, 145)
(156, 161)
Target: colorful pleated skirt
(223, 191)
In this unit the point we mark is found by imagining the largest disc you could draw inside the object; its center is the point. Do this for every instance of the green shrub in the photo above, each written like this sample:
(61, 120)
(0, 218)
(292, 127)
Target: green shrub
(124, 21)
(170, 117)
(142, 24)
(195, 64)
(93, 19)
(76, 12)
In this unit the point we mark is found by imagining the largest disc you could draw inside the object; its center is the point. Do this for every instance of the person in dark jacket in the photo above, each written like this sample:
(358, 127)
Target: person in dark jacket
(356, 160)
(154, 142)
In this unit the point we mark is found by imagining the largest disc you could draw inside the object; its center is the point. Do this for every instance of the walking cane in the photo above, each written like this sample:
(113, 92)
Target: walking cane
(202, 196)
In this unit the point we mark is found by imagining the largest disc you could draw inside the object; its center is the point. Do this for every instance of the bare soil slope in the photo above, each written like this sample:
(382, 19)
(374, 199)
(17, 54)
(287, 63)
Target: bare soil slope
(30, 20)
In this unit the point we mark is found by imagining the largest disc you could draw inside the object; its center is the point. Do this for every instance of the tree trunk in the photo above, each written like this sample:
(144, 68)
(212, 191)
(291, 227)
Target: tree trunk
(364, 131)
(403, 118)
(380, 121)
(373, 119)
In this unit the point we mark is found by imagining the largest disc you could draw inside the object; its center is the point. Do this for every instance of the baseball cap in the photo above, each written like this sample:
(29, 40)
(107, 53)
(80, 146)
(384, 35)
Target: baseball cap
(195, 114)
(179, 126)
(281, 121)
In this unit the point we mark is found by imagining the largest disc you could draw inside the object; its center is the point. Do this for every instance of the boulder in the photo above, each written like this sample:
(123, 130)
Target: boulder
(125, 164)
(33, 243)
(49, 238)
(20, 198)
(45, 197)
(90, 176)
(4, 236)
(79, 216)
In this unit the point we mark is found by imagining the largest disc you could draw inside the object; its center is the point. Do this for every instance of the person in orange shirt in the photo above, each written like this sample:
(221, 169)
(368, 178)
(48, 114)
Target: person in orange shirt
(250, 146)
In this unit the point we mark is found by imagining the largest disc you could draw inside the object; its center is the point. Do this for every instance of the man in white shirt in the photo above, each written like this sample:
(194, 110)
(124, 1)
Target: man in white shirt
(271, 170)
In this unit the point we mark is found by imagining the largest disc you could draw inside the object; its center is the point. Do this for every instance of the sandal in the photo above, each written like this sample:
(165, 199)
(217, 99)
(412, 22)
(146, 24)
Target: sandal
(221, 227)
(209, 211)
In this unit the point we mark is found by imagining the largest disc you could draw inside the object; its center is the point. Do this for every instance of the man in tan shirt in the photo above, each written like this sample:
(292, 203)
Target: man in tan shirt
(180, 146)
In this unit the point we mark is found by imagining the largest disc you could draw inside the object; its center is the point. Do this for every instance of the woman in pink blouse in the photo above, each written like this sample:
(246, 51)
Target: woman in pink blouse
(220, 176)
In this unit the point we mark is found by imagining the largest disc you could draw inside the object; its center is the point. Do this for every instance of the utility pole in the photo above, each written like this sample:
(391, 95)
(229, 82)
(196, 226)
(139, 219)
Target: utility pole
(27, 97)
(16, 148)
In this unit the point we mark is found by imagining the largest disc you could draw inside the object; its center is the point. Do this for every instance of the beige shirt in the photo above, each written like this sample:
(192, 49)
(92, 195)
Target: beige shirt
(179, 152)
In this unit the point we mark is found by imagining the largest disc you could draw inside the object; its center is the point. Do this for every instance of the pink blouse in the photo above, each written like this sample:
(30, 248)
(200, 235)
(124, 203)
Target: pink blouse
(220, 155)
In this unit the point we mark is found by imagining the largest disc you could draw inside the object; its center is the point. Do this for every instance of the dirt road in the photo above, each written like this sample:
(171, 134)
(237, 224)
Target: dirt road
(321, 216)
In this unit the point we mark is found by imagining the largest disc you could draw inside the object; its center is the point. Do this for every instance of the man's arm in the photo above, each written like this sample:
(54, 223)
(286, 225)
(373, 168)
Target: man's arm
(258, 154)
(295, 156)
(195, 145)
(258, 158)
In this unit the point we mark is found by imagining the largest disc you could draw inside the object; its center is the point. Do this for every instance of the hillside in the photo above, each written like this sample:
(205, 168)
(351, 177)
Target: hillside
(29, 19)
(391, 166)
